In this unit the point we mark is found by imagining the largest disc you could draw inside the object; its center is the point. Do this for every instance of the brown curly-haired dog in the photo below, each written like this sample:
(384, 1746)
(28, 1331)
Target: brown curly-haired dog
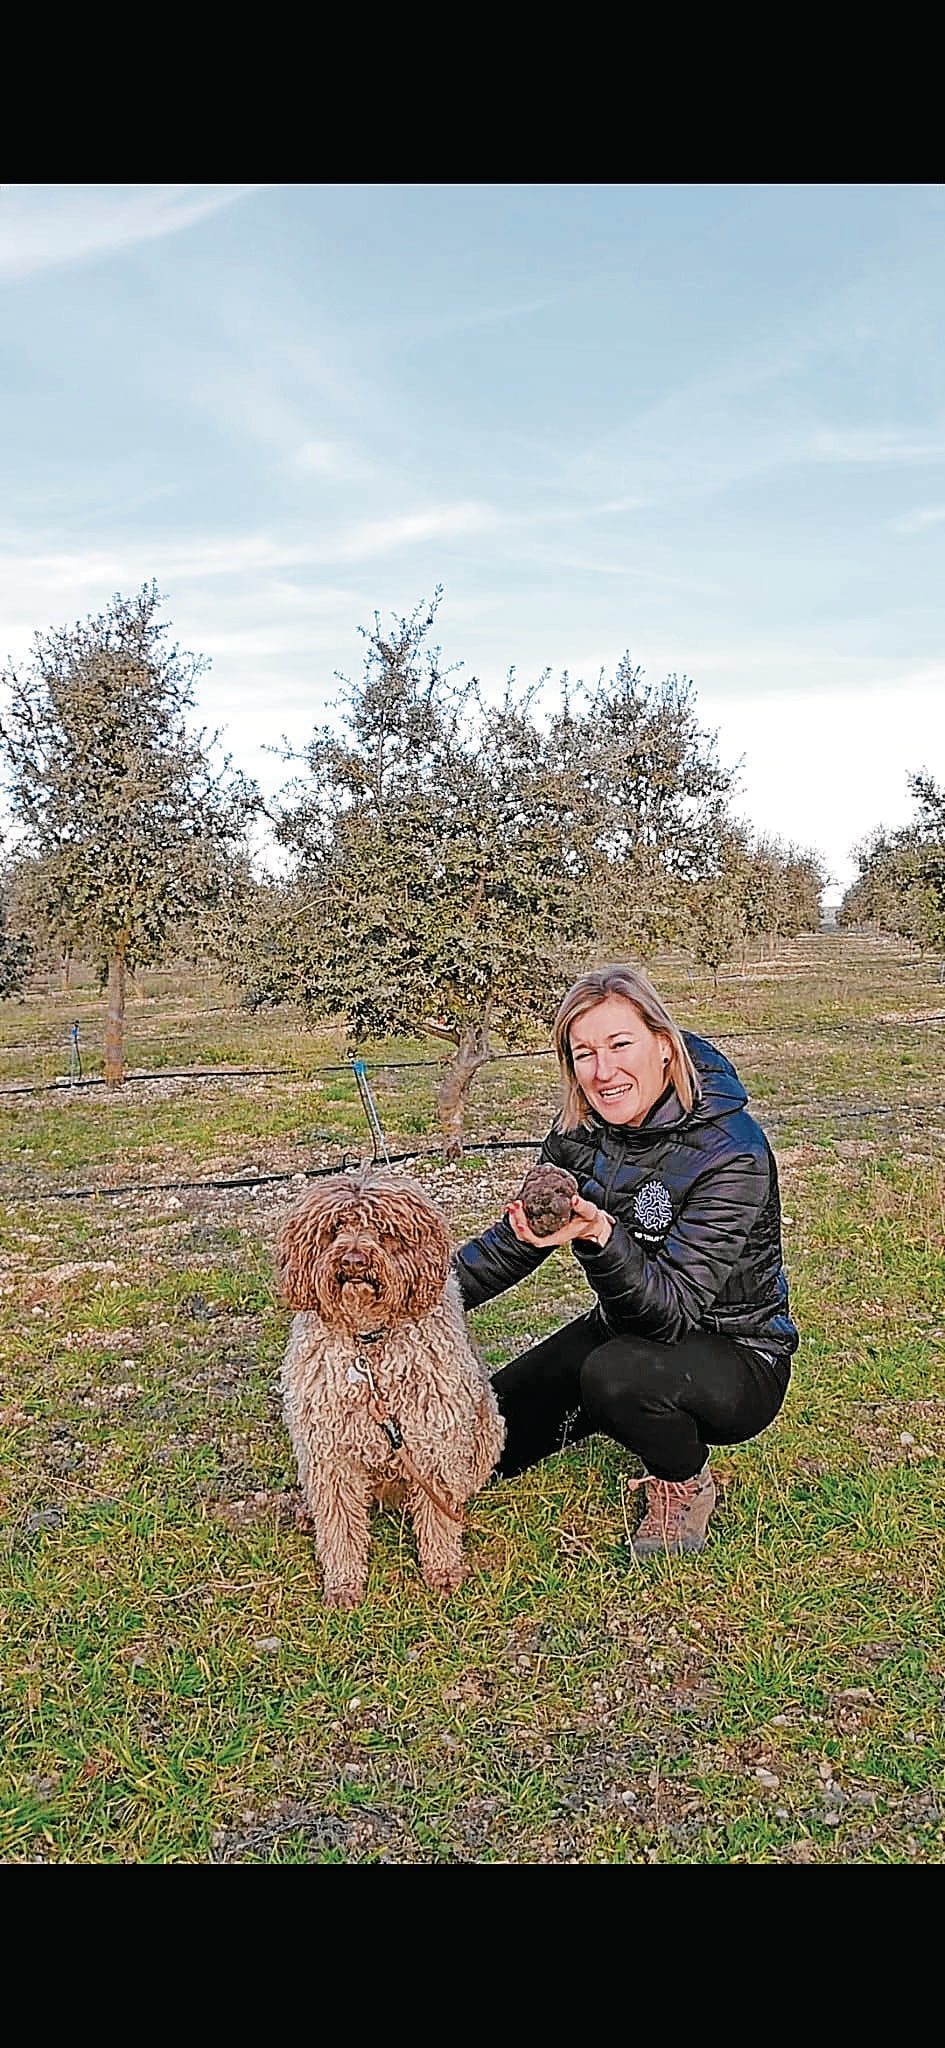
(380, 1380)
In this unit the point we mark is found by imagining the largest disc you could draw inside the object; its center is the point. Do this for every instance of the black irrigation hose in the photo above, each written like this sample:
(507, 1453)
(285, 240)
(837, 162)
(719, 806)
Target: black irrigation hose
(65, 1086)
(259, 1180)
(168, 1187)
(378, 1065)
(826, 1112)
(472, 1147)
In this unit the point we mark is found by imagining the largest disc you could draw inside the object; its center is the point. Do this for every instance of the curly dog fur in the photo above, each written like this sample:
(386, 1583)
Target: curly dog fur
(379, 1340)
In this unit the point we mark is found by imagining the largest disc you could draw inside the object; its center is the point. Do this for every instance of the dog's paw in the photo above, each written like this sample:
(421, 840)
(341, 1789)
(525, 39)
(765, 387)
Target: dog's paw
(444, 1578)
(344, 1595)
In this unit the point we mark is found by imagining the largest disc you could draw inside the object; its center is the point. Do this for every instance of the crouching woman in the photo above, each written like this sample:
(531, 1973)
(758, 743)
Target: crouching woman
(676, 1224)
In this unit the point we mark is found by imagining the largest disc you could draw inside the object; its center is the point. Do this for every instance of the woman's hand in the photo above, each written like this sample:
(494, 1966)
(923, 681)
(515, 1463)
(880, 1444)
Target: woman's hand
(587, 1221)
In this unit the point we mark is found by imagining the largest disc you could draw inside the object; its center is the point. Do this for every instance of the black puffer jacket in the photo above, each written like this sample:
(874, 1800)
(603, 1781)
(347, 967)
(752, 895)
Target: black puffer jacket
(696, 1243)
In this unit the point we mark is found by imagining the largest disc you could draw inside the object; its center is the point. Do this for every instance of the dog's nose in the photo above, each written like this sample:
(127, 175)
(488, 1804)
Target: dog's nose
(355, 1262)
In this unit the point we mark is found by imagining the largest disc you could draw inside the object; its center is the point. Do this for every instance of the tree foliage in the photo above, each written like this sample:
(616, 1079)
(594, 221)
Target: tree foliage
(453, 861)
(129, 825)
(16, 946)
(645, 801)
(900, 887)
(429, 889)
(758, 891)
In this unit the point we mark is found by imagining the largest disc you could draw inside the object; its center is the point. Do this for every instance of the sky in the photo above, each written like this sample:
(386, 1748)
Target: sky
(702, 424)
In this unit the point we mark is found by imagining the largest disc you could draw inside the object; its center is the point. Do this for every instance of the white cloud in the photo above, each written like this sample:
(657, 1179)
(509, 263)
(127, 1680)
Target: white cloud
(915, 522)
(378, 536)
(44, 225)
(238, 555)
(334, 460)
(874, 445)
(420, 328)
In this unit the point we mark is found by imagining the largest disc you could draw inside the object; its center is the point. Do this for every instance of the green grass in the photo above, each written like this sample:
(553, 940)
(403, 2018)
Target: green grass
(172, 1688)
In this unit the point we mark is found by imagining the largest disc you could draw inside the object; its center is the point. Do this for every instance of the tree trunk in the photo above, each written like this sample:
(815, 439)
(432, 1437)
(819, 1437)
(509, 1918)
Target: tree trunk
(115, 1023)
(472, 1053)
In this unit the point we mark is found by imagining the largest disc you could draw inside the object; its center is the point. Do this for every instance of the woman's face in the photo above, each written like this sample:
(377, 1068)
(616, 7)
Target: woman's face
(619, 1062)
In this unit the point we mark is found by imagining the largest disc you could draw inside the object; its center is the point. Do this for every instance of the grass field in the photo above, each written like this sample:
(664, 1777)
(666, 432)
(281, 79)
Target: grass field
(172, 1688)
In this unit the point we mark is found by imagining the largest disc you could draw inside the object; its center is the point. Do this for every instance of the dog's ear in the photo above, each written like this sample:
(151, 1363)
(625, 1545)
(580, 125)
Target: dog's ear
(417, 1276)
(423, 1234)
(296, 1247)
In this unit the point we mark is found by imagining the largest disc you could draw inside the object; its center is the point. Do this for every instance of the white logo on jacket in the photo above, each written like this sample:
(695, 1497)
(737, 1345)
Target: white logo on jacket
(653, 1206)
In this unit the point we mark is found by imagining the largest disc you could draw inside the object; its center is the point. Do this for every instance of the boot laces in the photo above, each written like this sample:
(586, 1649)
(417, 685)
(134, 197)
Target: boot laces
(667, 1499)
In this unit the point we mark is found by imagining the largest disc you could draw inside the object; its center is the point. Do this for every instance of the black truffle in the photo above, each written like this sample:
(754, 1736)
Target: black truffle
(546, 1198)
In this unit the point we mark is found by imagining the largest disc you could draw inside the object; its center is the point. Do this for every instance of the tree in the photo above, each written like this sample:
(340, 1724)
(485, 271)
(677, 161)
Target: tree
(930, 834)
(16, 948)
(801, 879)
(648, 799)
(754, 890)
(428, 889)
(717, 903)
(781, 889)
(453, 862)
(131, 825)
(26, 904)
(901, 884)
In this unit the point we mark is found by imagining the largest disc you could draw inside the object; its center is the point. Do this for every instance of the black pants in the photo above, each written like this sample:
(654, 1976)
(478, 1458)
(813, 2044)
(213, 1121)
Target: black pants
(664, 1402)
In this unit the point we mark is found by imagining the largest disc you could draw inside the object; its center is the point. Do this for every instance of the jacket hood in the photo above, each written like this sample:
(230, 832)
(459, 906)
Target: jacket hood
(720, 1094)
(720, 1090)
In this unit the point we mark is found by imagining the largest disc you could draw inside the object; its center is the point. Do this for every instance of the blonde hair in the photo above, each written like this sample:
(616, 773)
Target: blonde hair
(585, 994)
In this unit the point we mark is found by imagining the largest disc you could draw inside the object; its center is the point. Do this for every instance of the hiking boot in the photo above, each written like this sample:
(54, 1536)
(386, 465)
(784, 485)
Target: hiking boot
(677, 1514)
